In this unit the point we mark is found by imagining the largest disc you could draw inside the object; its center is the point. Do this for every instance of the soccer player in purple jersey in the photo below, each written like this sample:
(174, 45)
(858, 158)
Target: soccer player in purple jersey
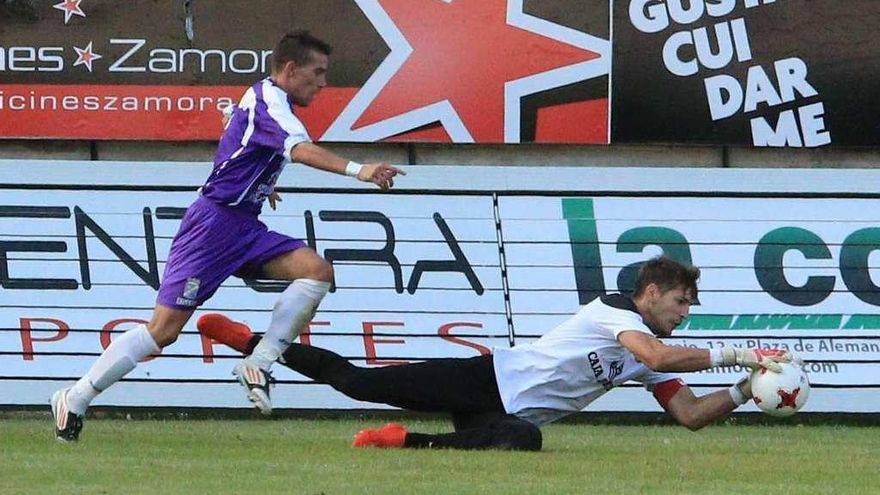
(220, 235)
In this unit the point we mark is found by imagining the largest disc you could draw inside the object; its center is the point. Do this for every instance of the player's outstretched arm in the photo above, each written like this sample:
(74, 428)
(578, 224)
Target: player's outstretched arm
(315, 156)
(658, 356)
(695, 412)
(661, 357)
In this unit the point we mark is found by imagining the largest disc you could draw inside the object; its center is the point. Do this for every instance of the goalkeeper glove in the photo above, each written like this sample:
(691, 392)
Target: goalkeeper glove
(741, 391)
(750, 358)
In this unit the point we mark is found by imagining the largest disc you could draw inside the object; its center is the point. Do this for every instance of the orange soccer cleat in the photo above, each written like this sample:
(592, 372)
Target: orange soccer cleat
(222, 329)
(391, 435)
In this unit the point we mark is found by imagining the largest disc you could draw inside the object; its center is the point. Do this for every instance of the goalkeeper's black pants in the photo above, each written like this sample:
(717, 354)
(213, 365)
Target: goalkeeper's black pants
(466, 388)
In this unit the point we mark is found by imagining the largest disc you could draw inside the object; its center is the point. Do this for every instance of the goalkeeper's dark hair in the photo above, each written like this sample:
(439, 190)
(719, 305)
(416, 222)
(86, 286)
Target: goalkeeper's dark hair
(667, 274)
(298, 47)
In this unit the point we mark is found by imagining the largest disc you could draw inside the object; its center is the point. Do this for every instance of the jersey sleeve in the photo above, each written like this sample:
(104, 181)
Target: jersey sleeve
(283, 123)
(618, 321)
(271, 122)
(665, 391)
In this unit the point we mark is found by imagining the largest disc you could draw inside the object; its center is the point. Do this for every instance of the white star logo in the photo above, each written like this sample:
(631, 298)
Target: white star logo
(445, 110)
(70, 8)
(85, 56)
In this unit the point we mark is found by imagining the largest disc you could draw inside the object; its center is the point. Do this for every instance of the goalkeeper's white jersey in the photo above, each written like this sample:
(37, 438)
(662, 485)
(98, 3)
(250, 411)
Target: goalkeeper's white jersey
(573, 364)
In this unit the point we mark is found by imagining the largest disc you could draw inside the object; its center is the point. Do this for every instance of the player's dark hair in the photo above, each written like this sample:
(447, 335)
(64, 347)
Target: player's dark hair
(299, 47)
(667, 274)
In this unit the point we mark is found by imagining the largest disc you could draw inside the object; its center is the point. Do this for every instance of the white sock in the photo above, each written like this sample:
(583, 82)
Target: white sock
(294, 309)
(117, 360)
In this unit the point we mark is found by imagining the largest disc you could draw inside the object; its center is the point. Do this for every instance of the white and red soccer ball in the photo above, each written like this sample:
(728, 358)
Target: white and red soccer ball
(781, 394)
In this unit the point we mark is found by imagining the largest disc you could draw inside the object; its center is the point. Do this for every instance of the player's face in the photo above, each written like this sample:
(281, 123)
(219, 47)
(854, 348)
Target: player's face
(306, 80)
(666, 310)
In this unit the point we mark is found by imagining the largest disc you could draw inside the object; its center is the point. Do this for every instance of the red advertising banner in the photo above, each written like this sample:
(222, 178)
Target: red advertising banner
(487, 71)
(114, 112)
(165, 113)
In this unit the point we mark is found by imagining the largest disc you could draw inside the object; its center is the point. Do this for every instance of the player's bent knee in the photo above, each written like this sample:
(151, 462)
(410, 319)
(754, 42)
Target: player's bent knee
(518, 435)
(167, 323)
(317, 269)
(324, 271)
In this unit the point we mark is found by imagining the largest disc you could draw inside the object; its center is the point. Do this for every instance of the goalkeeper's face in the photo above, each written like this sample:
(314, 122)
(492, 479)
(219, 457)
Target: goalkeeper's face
(666, 310)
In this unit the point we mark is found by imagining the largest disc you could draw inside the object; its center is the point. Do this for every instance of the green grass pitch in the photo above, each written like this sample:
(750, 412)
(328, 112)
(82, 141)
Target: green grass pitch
(314, 457)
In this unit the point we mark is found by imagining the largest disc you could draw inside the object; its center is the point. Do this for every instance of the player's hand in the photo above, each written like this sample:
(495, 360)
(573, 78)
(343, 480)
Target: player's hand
(744, 385)
(274, 198)
(741, 391)
(762, 358)
(380, 174)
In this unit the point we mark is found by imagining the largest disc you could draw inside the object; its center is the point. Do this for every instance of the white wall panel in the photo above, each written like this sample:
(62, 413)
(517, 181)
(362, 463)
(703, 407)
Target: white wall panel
(49, 337)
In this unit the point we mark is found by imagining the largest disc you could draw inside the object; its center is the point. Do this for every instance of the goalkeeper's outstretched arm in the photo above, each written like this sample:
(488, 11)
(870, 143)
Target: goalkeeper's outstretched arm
(661, 357)
(696, 412)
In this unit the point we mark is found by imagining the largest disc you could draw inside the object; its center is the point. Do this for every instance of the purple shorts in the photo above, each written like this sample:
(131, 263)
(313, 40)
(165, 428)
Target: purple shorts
(214, 242)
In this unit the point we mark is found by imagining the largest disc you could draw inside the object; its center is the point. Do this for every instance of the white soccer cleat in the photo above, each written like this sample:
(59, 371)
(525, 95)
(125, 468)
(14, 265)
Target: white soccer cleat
(67, 424)
(256, 382)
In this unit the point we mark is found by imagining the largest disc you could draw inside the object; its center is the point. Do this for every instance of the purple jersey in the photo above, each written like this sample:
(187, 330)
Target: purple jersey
(254, 148)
